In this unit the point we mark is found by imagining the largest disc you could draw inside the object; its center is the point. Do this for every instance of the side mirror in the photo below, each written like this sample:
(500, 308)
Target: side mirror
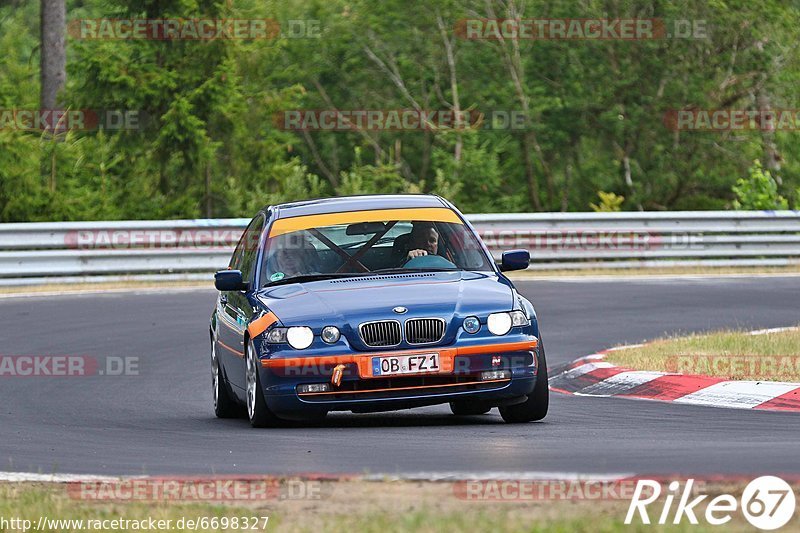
(229, 280)
(515, 260)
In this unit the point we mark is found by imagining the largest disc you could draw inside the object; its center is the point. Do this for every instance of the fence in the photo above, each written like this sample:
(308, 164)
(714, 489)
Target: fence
(192, 249)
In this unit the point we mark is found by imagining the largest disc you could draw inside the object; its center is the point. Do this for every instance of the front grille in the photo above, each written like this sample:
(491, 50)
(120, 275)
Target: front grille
(424, 330)
(380, 334)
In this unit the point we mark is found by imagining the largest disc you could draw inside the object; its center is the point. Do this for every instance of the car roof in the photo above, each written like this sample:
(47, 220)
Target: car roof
(343, 204)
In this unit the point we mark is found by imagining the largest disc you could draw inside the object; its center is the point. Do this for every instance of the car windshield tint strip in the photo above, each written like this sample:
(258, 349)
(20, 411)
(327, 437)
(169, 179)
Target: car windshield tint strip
(427, 214)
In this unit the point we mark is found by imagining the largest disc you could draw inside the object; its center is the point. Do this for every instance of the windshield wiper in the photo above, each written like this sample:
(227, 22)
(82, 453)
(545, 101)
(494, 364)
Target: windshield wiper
(336, 275)
(400, 270)
(309, 277)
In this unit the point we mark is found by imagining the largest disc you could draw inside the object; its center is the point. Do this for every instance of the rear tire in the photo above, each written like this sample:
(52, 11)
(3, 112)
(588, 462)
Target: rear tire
(469, 408)
(536, 406)
(224, 405)
(257, 411)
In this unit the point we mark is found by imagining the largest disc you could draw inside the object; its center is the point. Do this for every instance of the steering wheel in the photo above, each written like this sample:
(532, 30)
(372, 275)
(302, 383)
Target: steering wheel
(428, 261)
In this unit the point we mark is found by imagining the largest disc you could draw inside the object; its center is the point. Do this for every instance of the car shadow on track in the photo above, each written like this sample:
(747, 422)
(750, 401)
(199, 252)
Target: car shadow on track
(402, 419)
(344, 420)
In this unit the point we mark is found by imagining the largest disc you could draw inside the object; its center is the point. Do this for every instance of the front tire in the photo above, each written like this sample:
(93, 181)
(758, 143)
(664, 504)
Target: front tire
(257, 411)
(536, 406)
(224, 405)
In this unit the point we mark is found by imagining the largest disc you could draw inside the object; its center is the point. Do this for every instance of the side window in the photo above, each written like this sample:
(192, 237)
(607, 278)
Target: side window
(249, 244)
(236, 258)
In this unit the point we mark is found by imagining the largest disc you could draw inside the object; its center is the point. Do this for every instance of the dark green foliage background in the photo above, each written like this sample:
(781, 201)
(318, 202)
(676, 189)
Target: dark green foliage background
(211, 146)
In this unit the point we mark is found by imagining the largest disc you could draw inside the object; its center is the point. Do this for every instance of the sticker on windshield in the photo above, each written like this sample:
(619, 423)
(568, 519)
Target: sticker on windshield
(277, 276)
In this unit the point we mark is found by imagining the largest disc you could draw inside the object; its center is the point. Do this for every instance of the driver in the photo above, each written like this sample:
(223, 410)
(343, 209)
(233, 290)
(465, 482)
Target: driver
(294, 256)
(424, 240)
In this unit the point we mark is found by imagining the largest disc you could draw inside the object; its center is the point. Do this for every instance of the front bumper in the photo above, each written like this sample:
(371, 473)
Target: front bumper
(360, 391)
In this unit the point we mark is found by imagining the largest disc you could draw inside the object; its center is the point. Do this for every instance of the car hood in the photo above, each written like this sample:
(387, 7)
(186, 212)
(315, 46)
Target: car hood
(347, 302)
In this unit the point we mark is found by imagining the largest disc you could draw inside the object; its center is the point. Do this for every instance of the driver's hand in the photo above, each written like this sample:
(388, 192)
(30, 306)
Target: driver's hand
(416, 253)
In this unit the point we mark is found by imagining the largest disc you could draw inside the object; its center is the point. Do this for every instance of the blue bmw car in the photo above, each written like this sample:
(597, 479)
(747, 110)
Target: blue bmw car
(372, 303)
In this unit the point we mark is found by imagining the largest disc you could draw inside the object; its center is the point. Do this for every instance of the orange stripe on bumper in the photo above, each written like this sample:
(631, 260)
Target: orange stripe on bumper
(364, 361)
(260, 325)
(333, 393)
(521, 346)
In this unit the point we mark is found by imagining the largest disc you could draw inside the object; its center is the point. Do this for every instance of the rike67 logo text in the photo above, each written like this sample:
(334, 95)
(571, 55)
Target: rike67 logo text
(767, 503)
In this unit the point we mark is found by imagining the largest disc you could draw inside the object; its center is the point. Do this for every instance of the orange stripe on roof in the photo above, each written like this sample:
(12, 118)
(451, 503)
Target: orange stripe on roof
(260, 325)
(427, 214)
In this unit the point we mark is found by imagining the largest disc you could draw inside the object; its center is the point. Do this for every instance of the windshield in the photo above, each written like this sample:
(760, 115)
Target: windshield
(368, 247)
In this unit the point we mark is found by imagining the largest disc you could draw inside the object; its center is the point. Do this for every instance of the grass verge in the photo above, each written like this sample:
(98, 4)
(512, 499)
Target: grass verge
(738, 355)
(368, 506)
(105, 286)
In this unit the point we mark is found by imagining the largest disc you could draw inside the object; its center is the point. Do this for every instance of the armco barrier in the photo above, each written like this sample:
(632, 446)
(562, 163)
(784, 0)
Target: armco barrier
(191, 249)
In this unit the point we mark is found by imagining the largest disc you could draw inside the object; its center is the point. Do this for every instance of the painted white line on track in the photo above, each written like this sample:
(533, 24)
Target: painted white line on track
(583, 369)
(108, 292)
(738, 394)
(58, 478)
(773, 330)
(618, 348)
(620, 383)
(499, 476)
(20, 477)
(652, 277)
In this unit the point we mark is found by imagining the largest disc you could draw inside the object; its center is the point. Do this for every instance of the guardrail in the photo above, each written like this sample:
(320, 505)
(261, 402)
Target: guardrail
(191, 249)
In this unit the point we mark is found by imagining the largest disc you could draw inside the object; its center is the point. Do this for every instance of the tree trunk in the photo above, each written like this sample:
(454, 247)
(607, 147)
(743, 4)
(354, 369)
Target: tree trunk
(772, 158)
(209, 205)
(533, 186)
(53, 51)
(53, 70)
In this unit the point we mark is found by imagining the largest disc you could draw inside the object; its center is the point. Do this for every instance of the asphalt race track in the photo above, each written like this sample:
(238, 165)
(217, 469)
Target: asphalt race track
(161, 421)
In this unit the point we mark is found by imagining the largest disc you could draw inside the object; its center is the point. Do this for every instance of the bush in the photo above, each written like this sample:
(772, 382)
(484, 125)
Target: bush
(758, 191)
(609, 202)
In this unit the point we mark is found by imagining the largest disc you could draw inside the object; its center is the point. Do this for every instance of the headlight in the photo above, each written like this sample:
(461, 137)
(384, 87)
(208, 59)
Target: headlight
(276, 336)
(472, 324)
(299, 338)
(518, 318)
(501, 323)
(330, 334)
